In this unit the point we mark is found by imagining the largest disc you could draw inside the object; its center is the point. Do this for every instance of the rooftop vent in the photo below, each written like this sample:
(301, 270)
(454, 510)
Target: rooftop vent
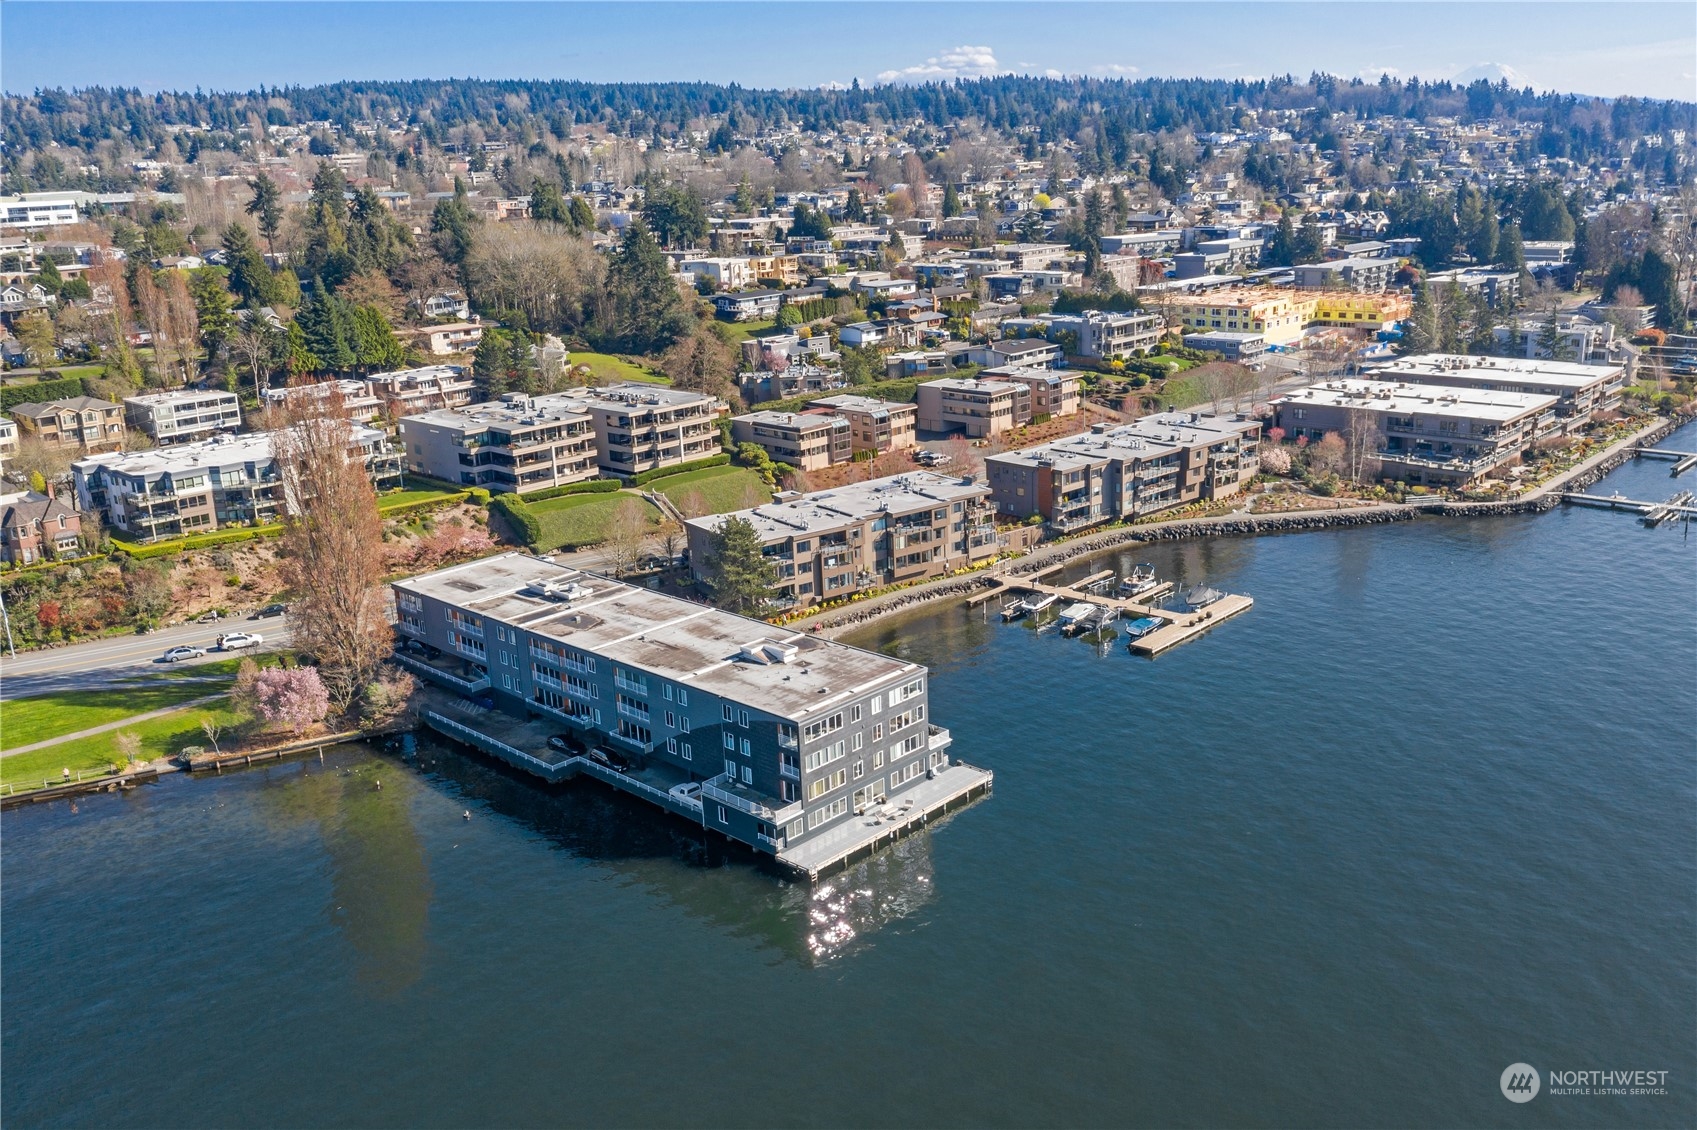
(556, 590)
(768, 652)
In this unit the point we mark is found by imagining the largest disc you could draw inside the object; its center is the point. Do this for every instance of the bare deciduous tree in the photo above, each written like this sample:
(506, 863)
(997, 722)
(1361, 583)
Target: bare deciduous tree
(1361, 440)
(625, 536)
(332, 545)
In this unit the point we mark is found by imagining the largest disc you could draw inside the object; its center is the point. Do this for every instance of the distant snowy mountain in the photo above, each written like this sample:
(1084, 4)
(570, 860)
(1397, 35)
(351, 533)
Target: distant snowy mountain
(1492, 73)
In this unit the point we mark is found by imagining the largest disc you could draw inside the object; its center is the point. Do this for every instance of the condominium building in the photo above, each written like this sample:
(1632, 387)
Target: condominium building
(831, 543)
(83, 423)
(8, 439)
(640, 427)
(808, 441)
(183, 415)
(519, 443)
(1104, 335)
(875, 425)
(1129, 471)
(1243, 348)
(357, 400)
(203, 485)
(788, 734)
(976, 407)
(1277, 315)
(1054, 392)
(1424, 433)
(1369, 276)
(39, 210)
(422, 389)
(454, 337)
(1581, 391)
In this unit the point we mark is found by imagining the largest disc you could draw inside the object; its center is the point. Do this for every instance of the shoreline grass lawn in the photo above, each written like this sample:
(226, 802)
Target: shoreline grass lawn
(25, 721)
(164, 736)
(722, 489)
(606, 366)
(577, 520)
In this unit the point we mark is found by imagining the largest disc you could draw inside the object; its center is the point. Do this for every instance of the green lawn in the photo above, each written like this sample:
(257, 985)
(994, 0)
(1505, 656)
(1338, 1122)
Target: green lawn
(161, 737)
(410, 497)
(1181, 392)
(741, 331)
(722, 489)
(608, 367)
(25, 721)
(584, 519)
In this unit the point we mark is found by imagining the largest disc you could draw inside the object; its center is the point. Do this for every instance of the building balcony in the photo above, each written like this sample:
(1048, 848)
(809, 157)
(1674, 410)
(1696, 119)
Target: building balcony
(431, 671)
(723, 790)
(938, 737)
(632, 743)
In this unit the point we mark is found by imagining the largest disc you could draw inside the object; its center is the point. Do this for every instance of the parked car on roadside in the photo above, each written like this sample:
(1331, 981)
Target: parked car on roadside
(277, 609)
(236, 641)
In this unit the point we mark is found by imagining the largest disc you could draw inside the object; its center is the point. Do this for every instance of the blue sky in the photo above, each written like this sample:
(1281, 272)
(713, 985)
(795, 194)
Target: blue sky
(1606, 49)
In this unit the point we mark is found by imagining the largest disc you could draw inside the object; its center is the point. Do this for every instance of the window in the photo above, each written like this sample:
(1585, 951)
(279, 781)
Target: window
(878, 760)
(854, 713)
(723, 818)
(672, 746)
(742, 719)
(748, 774)
(730, 769)
(830, 812)
(747, 749)
(859, 770)
(730, 741)
(877, 731)
(729, 716)
(689, 753)
(685, 721)
(859, 740)
(683, 697)
(823, 756)
(667, 690)
(671, 720)
(877, 703)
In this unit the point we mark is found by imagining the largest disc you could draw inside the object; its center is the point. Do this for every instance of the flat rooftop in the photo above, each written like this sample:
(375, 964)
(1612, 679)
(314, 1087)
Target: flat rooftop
(805, 421)
(828, 510)
(867, 404)
(1434, 368)
(1148, 438)
(178, 396)
(969, 384)
(520, 412)
(218, 451)
(1426, 399)
(694, 645)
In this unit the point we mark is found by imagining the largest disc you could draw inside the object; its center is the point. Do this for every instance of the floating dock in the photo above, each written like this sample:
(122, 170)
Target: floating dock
(1179, 627)
(1683, 460)
(1651, 513)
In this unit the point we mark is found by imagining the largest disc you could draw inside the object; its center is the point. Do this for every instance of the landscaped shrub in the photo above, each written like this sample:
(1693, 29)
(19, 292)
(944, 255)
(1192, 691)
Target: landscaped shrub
(592, 486)
(197, 541)
(41, 392)
(647, 477)
(519, 517)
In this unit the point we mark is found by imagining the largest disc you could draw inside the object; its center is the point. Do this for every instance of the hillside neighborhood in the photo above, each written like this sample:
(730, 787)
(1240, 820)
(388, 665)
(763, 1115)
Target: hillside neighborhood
(881, 342)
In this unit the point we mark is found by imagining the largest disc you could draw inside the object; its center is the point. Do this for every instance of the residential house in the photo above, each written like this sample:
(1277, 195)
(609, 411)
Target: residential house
(36, 527)
(807, 441)
(448, 339)
(82, 423)
(875, 425)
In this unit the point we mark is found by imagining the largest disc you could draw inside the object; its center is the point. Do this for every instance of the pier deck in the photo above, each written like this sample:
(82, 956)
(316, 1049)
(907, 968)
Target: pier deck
(860, 836)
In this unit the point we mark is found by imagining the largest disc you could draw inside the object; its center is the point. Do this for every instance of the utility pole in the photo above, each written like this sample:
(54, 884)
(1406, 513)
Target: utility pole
(7, 620)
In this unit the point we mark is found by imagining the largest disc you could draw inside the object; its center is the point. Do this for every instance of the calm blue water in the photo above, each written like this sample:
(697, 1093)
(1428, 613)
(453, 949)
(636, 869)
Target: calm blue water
(1428, 810)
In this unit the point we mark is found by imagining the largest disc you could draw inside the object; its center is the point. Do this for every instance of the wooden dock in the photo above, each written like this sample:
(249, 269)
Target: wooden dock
(1683, 460)
(1651, 513)
(1178, 628)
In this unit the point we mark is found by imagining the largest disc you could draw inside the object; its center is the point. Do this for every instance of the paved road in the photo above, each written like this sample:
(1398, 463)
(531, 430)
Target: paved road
(92, 664)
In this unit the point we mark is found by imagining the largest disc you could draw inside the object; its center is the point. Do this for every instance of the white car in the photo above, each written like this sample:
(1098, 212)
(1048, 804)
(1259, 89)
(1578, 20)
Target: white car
(235, 641)
(689, 793)
(178, 654)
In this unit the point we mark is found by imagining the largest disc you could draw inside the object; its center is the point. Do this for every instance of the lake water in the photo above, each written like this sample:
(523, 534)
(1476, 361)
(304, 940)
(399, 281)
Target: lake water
(1429, 809)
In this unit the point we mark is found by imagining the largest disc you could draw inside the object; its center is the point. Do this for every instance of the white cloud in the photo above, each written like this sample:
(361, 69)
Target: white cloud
(1115, 69)
(956, 62)
(1375, 73)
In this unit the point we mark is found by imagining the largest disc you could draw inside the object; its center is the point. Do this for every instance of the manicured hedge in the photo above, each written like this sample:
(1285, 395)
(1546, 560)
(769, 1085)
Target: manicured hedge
(647, 477)
(42, 391)
(591, 486)
(197, 541)
(519, 517)
(423, 504)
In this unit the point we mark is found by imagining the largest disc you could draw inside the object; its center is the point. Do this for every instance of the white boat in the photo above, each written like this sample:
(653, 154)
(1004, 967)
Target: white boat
(1014, 609)
(1142, 579)
(1076, 613)
(1037, 602)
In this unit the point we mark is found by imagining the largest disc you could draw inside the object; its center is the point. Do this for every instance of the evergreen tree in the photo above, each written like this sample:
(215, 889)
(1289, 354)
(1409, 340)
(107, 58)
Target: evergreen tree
(300, 358)
(1280, 251)
(854, 208)
(376, 348)
(250, 279)
(645, 312)
(951, 201)
(453, 225)
(582, 215)
(376, 240)
(1552, 343)
(1310, 246)
(266, 208)
(326, 255)
(489, 363)
(739, 575)
(743, 200)
(213, 310)
(49, 277)
(1420, 328)
(1511, 249)
(548, 205)
(327, 328)
(675, 214)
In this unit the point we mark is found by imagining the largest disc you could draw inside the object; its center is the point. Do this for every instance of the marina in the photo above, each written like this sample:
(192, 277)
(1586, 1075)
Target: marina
(1152, 627)
(1652, 514)
(1683, 460)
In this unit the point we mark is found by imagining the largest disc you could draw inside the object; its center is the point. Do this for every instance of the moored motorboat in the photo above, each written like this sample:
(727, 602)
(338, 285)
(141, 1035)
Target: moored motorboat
(1141, 580)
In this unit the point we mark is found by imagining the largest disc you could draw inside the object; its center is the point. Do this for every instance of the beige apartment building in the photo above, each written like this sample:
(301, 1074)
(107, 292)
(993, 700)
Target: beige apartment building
(977, 407)
(79, 423)
(519, 444)
(807, 441)
(1054, 392)
(875, 425)
(831, 543)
